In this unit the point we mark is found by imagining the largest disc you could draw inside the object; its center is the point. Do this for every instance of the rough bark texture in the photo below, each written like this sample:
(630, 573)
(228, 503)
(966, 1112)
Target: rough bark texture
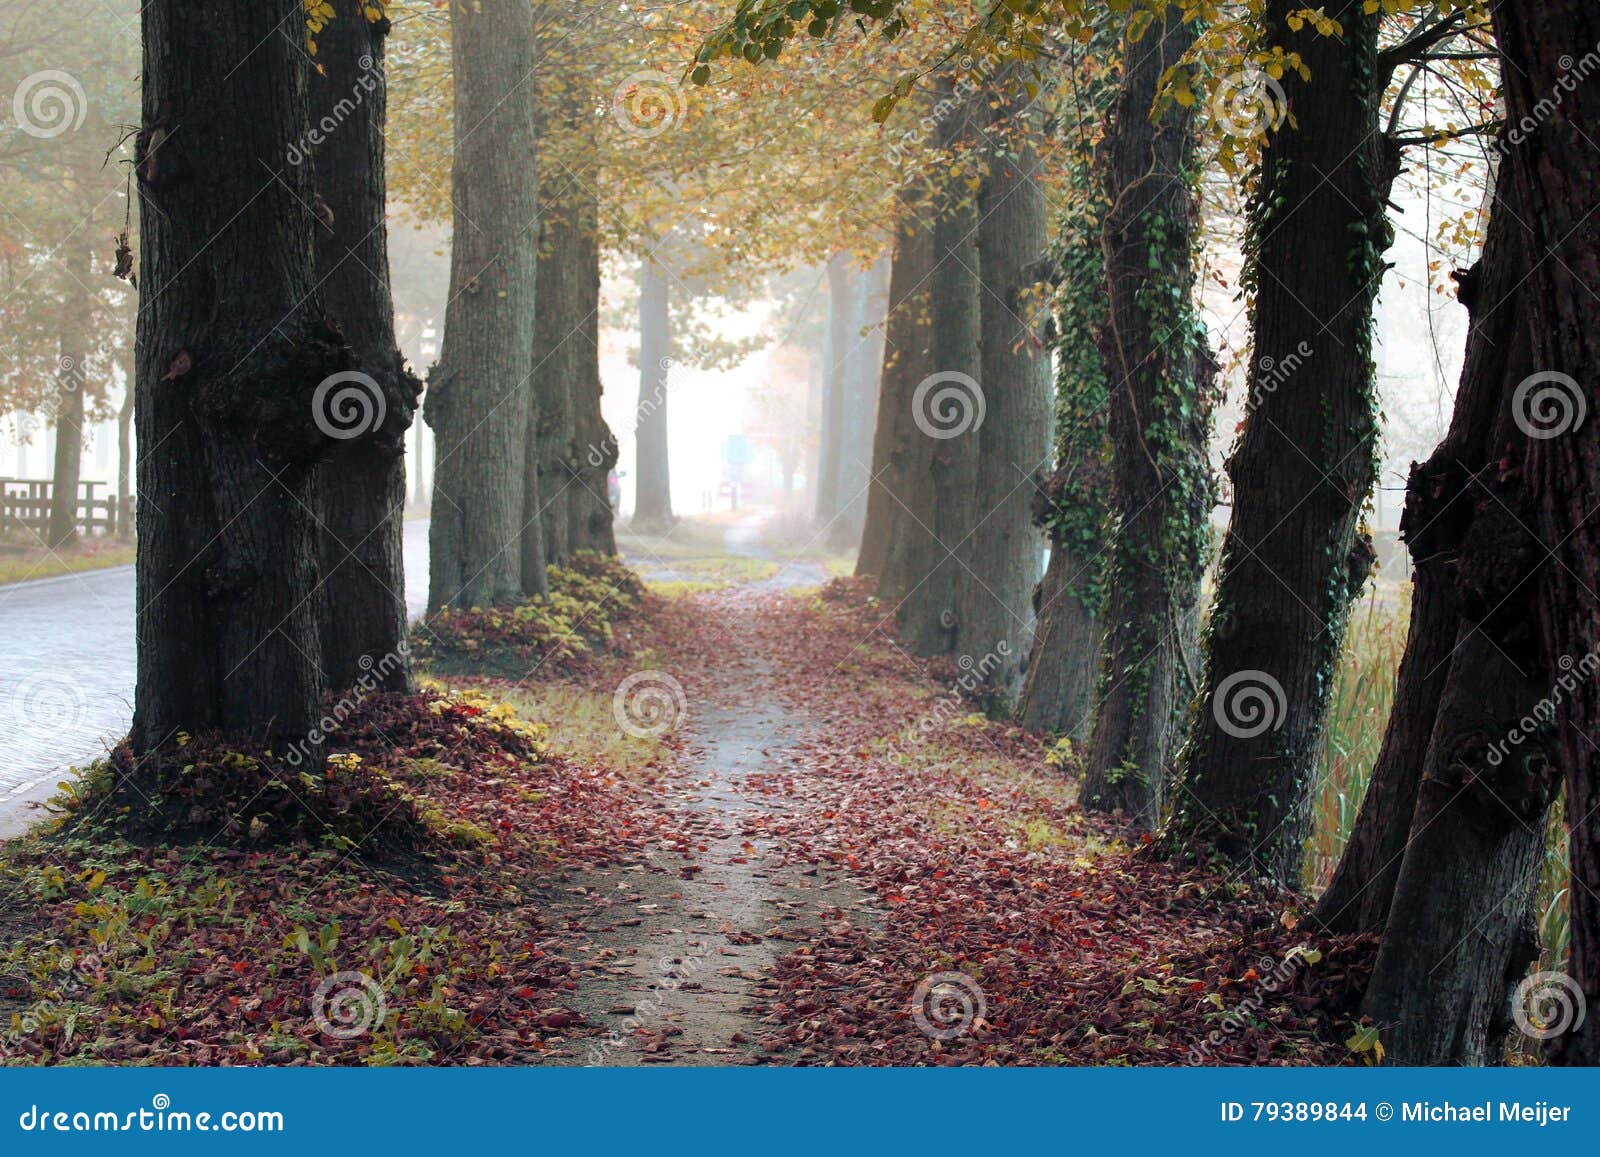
(1555, 109)
(232, 344)
(361, 492)
(478, 394)
(652, 495)
(1004, 548)
(945, 411)
(1437, 516)
(1058, 691)
(896, 437)
(1304, 465)
(1159, 375)
(589, 513)
(560, 351)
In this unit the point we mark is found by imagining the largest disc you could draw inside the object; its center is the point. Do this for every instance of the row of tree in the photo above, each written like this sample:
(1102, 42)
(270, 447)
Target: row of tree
(1213, 739)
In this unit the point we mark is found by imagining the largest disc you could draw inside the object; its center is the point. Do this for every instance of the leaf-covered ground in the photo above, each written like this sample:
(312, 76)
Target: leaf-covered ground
(745, 829)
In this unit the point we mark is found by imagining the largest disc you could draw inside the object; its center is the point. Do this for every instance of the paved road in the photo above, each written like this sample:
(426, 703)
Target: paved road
(67, 669)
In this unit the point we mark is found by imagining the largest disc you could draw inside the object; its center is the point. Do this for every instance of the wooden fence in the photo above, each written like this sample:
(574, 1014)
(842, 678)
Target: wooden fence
(25, 507)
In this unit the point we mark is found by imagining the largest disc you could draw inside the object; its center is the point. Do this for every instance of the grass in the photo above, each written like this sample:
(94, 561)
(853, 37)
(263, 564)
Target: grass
(35, 562)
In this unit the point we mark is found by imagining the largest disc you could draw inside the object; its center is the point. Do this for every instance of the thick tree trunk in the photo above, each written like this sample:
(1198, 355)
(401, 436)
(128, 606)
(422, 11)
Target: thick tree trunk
(863, 364)
(558, 361)
(478, 394)
(1005, 550)
(1058, 692)
(1304, 465)
(1160, 372)
(836, 348)
(1554, 110)
(361, 493)
(947, 411)
(232, 345)
(652, 494)
(589, 517)
(1437, 516)
(896, 436)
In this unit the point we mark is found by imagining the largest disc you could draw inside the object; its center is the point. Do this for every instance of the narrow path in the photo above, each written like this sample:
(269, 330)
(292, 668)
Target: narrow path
(681, 945)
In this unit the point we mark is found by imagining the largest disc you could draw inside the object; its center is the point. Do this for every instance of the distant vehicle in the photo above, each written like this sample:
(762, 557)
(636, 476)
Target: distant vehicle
(614, 490)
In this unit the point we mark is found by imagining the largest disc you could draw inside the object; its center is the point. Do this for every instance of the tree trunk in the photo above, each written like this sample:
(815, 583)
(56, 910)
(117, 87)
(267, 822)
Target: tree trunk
(1005, 549)
(1555, 113)
(478, 394)
(895, 438)
(68, 404)
(232, 345)
(1160, 373)
(863, 363)
(558, 361)
(590, 517)
(652, 492)
(1058, 692)
(947, 409)
(1434, 525)
(1293, 561)
(836, 349)
(361, 493)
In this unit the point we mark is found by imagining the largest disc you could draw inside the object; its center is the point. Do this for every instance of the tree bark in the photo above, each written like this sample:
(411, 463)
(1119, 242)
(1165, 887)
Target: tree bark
(1058, 691)
(1005, 549)
(559, 354)
(1554, 108)
(1293, 561)
(590, 517)
(863, 364)
(68, 405)
(361, 493)
(130, 375)
(478, 394)
(1434, 527)
(1160, 378)
(895, 437)
(652, 500)
(232, 343)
